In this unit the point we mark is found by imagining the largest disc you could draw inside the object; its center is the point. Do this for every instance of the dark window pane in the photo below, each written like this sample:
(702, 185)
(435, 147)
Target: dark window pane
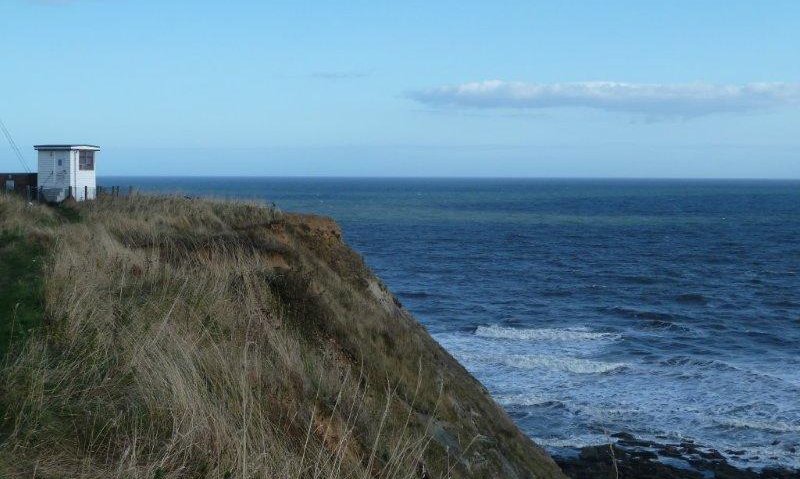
(86, 160)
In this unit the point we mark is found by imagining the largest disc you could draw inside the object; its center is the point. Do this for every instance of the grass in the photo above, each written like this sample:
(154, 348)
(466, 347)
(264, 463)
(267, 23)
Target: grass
(20, 289)
(68, 211)
(198, 338)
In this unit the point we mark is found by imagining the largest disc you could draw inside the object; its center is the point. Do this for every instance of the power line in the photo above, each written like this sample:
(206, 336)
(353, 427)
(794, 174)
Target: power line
(14, 146)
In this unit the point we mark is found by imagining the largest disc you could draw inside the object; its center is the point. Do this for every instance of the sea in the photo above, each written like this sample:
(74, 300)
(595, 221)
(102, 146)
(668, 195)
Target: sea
(667, 309)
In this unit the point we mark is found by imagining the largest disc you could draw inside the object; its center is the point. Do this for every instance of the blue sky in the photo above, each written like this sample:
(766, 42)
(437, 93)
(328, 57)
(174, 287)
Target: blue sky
(578, 89)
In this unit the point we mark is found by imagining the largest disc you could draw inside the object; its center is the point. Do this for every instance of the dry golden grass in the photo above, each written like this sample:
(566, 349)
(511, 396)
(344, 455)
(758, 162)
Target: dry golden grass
(198, 338)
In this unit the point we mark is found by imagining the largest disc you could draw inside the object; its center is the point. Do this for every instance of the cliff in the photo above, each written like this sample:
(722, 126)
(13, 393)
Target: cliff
(168, 337)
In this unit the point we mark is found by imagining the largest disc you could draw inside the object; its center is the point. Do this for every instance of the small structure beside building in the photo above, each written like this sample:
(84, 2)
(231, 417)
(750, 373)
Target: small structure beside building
(21, 183)
(65, 171)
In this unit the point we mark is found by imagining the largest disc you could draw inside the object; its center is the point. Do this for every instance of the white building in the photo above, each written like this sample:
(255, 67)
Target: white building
(67, 170)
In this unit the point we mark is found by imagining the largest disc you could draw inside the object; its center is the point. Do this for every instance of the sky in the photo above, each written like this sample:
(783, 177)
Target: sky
(687, 89)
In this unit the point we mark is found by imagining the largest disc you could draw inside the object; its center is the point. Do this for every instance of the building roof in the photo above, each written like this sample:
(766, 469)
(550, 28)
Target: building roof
(79, 146)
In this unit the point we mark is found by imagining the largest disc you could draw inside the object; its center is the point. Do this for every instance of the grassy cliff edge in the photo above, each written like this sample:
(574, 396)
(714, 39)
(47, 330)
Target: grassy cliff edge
(197, 338)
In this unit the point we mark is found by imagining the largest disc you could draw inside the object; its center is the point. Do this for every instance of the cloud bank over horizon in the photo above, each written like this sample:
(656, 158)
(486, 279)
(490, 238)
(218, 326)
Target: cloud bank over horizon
(653, 100)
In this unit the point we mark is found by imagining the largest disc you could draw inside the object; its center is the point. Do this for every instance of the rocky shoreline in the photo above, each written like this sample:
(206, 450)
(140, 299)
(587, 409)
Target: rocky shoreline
(632, 458)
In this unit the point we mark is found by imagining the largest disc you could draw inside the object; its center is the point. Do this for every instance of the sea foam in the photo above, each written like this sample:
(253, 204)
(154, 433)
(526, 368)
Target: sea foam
(576, 441)
(567, 364)
(567, 334)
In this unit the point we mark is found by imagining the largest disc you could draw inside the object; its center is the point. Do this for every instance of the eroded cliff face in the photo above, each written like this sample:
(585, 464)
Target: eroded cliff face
(193, 338)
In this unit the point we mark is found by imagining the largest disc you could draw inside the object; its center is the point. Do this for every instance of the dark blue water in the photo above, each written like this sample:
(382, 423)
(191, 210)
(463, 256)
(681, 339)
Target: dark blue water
(669, 309)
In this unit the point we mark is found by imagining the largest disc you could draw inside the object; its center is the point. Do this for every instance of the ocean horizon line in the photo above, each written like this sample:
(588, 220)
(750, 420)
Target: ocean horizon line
(457, 177)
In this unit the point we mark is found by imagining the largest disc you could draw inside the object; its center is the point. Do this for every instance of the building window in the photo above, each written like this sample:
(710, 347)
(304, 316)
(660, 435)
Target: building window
(86, 160)
(59, 162)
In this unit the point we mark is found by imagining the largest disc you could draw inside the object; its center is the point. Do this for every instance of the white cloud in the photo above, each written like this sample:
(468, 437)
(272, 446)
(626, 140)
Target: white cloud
(654, 100)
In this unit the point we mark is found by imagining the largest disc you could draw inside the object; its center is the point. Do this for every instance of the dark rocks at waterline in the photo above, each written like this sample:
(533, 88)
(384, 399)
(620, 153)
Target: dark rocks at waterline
(647, 460)
(608, 461)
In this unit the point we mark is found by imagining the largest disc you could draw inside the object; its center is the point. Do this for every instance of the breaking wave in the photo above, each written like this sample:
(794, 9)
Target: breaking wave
(525, 400)
(777, 426)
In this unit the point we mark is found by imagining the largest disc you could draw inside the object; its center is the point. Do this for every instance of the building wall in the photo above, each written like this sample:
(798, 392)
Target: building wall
(51, 174)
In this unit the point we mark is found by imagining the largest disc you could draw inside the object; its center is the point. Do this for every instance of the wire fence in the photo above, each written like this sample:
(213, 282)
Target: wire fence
(44, 194)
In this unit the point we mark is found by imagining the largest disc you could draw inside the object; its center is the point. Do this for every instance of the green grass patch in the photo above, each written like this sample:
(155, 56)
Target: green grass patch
(21, 307)
(68, 212)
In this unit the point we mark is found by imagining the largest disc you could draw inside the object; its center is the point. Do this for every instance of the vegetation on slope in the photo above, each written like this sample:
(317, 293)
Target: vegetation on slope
(195, 338)
(20, 287)
(21, 258)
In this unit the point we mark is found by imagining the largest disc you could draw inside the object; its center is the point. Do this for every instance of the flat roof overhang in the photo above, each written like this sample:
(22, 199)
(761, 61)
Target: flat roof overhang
(67, 147)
